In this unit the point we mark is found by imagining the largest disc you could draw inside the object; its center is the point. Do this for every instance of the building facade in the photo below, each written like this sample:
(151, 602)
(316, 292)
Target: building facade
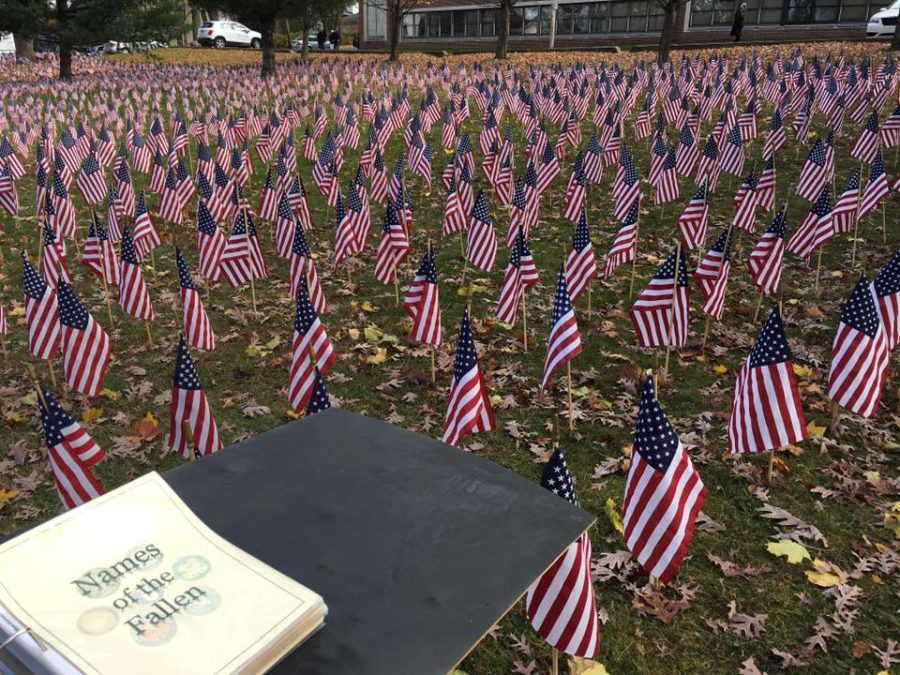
(472, 24)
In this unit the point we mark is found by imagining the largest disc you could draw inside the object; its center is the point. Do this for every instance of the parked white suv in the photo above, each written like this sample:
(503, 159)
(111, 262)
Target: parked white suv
(884, 22)
(227, 34)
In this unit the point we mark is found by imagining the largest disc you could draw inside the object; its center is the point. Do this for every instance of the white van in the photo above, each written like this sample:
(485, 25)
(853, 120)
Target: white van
(884, 22)
(7, 44)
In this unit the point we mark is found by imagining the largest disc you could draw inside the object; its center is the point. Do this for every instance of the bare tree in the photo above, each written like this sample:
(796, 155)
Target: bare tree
(670, 10)
(506, 9)
(395, 10)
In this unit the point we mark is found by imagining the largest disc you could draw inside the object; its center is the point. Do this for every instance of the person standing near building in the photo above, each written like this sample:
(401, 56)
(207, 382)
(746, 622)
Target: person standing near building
(335, 39)
(320, 38)
(737, 27)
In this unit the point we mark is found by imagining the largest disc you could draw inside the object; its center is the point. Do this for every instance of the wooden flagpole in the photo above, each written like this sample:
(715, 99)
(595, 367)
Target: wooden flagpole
(856, 219)
(758, 305)
(771, 465)
(637, 227)
(189, 437)
(149, 334)
(569, 387)
(37, 385)
(52, 374)
(555, 656)
(524, 324)
(816, 290)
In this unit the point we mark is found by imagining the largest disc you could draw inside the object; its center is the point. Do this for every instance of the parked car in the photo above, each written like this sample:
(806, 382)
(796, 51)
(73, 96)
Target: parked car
(297, 43)
(884, 22)
(116, 47)
(7, 44)
(227, 34)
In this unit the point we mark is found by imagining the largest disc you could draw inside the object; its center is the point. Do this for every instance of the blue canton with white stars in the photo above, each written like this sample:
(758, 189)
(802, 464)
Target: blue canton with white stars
(771, 346)
(557, 479)
(860, 312)
(654, 438)
(72, 312)
(186, 375)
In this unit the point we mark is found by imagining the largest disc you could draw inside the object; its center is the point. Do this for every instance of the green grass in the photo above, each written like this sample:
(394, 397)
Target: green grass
(696, 398)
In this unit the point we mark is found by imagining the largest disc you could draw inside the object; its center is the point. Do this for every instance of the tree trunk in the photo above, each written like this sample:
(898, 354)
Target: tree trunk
(503, 29)
(196, 20)
(267, 31)
(895, 43)
(65, 42)
(396, 26)
(304, 54)
(24, 46)
(668, 32)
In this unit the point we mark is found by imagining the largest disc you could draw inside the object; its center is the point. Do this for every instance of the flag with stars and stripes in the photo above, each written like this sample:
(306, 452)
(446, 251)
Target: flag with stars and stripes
(624, 246)
(133, 295)
(663, 493)
(564, 343)
(626, 186)
(576, 191)
(192, 428)
(284, 225)
(867, 144)
(235, 261)
(814, 173)
(481, 238)
(860, 354)
(660, 313)
(817, 228)
(392, 247)
(692, 222)
(876, 189)
(469, 410)
(318, 400)
(9, 197)
(561, 604)
(41, 313)
(90, 180)
(887, 294)
(197, 327)
(146, 237)
(766, 259)
(581, 265)
(86, 347)
(312, 353)
(210, 244)
(422, 303)
(99, 256)
(455, 218)
(845, 208)
(53, 258)
(72, 453)
(767, 413)
(712, 274)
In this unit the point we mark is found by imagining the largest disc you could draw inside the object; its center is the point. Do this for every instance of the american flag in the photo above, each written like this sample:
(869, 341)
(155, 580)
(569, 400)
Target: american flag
(481, 244)
(663, 493)
(814, 174)
(99, 256)
(133, 295)
(210, 244)
(624, 246)
(319, 400)
(171, 204)
(513, 285)
(593, 162)
(41, 313)
(692, 222)
(564, 343)
(359, 216)
(235, 262)
(667, 187)
(686, 157)
(845, 208)
(876, 189)
(257, 264)
(867, 144)
(422, 303)
(9, 197)
(125, 189)
(626, 187)
(767, 413)
(396, 183)
(146, 236)
(746, 201)
(85, 345)
(765, 260)
(53, 258)
(658, 154)
(197, 328)
(469, 410)
(581, 265)
(189, 412)
(887, 295)
(71, 453)
(816, 229)
(311, 351)
(113, 213)
(392, 247)
(63, 211)
(548, 170)
(712, 274)
(285, 222)
(732, 160)
(860, 356)
(454, 218)
(576, 191)
(268, 201)
(765, 189)
(158, 177)
(378, 179)
(90, 180)
(561, 604)
(660, 313)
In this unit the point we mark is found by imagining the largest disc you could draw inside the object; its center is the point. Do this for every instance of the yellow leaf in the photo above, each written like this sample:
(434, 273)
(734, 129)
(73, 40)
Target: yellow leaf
(7, 496)
(367, 307)
(17, 311)
(463, 291)
(872, 476)
(825, 575)
(580, 666)
(794, 552)
(802, 371)
(719, 369)
(373, 334)
(613, 514)
(110, 394)
(91, 414)
(255, 351)
(353, 333)
(29, 398)
(814, 430)
(291, 415)
(15, 418)
(274, 342)
(147, 428)
(380, 356)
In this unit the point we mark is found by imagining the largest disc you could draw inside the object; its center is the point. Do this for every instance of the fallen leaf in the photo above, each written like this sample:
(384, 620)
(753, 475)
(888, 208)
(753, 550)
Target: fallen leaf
(825, 574)
(7, 496)
(814, 430)
(147, 427)
(580, 666)
(719, 369)
(379, 357)
(613, 514)
(91, 414)
(109, 394)
(794, 552)
(802, 371)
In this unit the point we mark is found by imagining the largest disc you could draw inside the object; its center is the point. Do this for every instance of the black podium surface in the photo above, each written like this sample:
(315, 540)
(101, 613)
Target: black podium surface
(418, 548)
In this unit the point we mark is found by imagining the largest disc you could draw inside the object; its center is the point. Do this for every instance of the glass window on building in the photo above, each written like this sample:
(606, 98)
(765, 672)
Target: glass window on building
(444, 24)
(376, 19)
(545, 20)
(531, 21)
(600, 18)
(715, 13)
(582, 17)
(768, 12)
(855, 10)
(459, 23)
(637, 16)
(422, 25)
(515, 20)
(657, 18)
(471, 23)
(409, 26)
(618, 17)
(487, 23)
(564, 18)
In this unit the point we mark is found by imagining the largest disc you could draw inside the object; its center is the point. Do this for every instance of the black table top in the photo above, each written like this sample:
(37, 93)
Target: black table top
(417, 548)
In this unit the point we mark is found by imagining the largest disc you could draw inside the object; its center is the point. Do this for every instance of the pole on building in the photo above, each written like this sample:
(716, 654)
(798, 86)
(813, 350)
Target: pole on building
(553, 6)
